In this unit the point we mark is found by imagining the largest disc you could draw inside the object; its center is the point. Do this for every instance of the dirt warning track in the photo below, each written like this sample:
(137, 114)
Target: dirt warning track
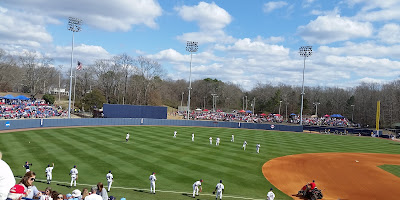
(340, 175)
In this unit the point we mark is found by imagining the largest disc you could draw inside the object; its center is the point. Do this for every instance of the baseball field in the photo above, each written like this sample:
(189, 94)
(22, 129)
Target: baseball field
(179, 162)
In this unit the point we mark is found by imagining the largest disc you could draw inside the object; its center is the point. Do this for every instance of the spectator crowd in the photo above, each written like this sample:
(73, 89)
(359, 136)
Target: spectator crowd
(17, 109)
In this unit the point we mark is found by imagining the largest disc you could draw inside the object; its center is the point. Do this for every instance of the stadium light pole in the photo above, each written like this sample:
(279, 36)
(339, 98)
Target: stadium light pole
(59, 84)
(182, 99)
(280, 103)
(74, 25)
(214, 96)
(352, 114)
(190, 47)
(304, 51)
(316, 108)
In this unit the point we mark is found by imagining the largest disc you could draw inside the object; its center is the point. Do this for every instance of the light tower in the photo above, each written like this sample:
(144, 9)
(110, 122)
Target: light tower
(74, 25)
(304, 51)
(190, 47)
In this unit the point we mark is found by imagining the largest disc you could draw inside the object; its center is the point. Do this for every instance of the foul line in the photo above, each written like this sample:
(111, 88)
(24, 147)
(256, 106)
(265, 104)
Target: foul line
(166, 191)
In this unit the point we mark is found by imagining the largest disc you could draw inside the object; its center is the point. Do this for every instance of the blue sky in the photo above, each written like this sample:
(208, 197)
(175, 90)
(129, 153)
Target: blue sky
(243, 42)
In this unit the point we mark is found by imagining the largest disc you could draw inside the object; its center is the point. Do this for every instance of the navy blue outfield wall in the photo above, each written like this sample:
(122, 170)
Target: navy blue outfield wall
(134, 111)
(38, 123)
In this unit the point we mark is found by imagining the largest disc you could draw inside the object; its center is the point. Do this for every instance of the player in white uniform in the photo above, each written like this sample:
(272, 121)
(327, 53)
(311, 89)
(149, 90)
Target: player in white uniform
(210, 140)
(233, 138)
(49, 173)
(175, 134)
(127, 137)
(192, 137)
(110, 179)
(217, 141)
(219, 189)
(258, 148)
(153, 179)
(270, 195)
(197, 188)
(244, 145)
(74, 175)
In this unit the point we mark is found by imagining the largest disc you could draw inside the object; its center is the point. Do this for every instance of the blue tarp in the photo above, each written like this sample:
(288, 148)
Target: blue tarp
(292, 114)
(337, 116)
(22, 97)
(9, 96)
(248, 111)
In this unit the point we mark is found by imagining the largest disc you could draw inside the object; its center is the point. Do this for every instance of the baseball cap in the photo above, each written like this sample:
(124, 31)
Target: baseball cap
(76, 193)
(74, 166)
(270, 189)
(109, 171)
(154, 173)
(111, 198)
(201, 180)
(17, 189)
(68, 195)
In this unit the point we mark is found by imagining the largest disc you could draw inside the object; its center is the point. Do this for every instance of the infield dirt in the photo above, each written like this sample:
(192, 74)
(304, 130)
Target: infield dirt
(339, 175)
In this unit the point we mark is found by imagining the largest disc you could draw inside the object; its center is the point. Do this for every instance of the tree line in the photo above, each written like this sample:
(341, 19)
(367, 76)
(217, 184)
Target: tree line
(140, 81)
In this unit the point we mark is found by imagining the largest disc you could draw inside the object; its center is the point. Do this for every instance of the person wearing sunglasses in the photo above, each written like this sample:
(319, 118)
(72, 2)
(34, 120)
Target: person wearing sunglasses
(60, 197)
(27, 182)
(47, 194)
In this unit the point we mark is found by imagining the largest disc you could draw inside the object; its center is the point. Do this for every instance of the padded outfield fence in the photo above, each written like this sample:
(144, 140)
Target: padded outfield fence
(45, 123)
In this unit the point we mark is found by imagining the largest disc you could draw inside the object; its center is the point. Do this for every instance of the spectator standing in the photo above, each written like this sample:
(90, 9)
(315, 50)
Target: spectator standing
(153, 179)
(7, 180)
(110, 179)
(270, 195)
(102, 191)
(49, 173)
(74, 175)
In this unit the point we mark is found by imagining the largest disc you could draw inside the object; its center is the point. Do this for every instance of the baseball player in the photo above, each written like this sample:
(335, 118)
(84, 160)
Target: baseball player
(110, 179)
(175, 134)
(244, 145)
(210, 140)
(233, 138)
(219, 190)
(153, 179)
(49, 173)
(217, 141)
(27, 166)
(74, 175)
(197, 187)
(192, 137)
(127, 137)
(258, 148)
(270, 195)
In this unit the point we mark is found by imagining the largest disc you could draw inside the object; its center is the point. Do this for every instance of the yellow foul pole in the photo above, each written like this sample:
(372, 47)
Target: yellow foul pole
(378, 112)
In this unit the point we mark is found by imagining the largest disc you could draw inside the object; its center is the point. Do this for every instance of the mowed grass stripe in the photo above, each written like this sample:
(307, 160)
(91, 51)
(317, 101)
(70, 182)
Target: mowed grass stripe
(177, 161)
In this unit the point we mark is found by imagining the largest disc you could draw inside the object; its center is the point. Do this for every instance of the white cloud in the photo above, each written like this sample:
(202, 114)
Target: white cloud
(370, 49)
(83, 53)
(246, 46)
(328, 29)
(117, 15)
(373, 10)
(390, 33)
(208, 16)
(273, 5)
(21, 29)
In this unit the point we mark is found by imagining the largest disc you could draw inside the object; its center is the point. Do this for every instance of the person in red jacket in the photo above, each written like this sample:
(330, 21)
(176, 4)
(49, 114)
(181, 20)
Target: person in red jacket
(312, 185)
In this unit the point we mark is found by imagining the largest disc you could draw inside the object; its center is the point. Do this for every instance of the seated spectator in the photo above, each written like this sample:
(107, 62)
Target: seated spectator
(76, 194)
(94, 195)
(27, 182)
(47, 194)
(16, 192)
(58, 196)
(102, 191)
(85, 193)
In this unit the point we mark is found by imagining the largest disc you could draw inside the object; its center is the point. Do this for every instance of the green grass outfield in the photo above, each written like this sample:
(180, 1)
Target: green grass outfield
(178, 162)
